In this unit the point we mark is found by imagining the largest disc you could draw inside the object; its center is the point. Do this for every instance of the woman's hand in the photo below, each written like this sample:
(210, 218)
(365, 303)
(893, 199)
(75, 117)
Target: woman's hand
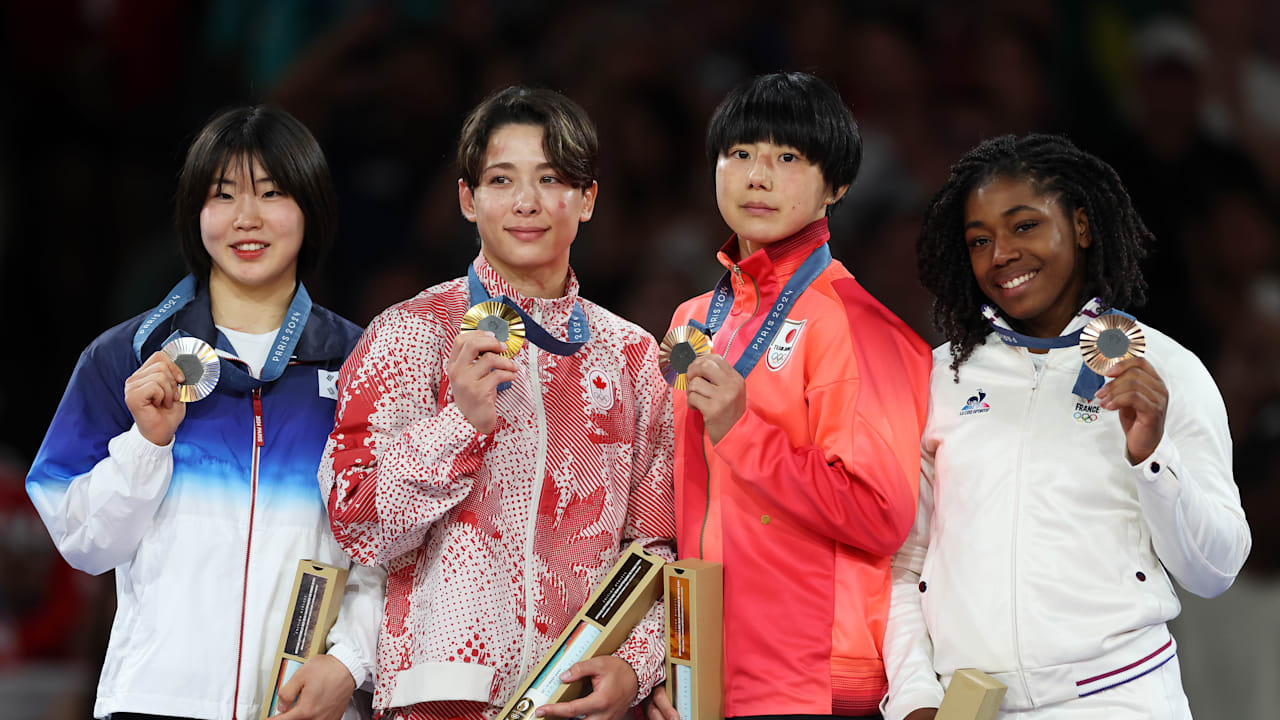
(658, 705)
(613, 689)
(718, 392)
(320, 690)
(475, 368)
(1140, 396)
(151, 394)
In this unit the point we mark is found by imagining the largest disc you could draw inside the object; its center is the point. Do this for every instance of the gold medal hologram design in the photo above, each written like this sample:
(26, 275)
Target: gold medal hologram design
(678, 350)
(497, 318)
(199, 365)
(1109, 340)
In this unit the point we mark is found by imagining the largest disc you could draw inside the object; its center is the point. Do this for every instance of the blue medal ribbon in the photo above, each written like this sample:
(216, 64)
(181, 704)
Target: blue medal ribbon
(286, 341)
(576, 329)
(722, 300)
(1087, 382)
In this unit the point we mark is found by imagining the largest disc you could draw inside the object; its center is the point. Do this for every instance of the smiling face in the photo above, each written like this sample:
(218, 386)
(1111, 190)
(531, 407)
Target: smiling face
(526, 213)
(768, 192)
(251, 230)
(1027, 253)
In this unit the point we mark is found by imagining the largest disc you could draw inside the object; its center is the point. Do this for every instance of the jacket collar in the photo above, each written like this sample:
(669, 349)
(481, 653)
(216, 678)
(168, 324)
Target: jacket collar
(553, 313)
(783, 257)
(321, 340)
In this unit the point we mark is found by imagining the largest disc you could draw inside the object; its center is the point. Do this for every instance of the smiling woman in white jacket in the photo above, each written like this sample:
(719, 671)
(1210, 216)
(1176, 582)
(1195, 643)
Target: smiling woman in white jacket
(1052, 513)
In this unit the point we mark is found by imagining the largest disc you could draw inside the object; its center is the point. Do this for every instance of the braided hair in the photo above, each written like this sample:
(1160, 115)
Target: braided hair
(1055, 167)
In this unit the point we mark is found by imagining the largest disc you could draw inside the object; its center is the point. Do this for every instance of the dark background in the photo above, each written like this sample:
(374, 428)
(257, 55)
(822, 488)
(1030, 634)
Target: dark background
(101, 97)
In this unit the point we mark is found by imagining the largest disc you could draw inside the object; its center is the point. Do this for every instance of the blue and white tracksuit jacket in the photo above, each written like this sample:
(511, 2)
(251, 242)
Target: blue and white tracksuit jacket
(206, 533)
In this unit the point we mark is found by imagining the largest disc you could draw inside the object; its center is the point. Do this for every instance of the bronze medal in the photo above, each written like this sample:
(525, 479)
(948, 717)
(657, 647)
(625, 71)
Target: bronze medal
(678, 350)
(1109, 340)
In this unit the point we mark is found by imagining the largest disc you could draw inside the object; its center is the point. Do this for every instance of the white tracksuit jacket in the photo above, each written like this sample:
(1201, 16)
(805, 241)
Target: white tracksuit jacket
(1039, 553)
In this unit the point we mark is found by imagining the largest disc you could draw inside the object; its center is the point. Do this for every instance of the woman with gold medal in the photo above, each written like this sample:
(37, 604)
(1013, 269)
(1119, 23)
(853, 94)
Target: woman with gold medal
(1055, 510)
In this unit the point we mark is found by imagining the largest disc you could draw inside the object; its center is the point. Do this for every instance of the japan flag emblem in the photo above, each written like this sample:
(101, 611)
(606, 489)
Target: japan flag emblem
(783, 343)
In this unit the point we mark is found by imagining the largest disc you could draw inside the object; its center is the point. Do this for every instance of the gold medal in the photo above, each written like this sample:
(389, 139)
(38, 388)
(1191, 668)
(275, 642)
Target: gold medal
(497, 318)
(199, 365)
(678, 350)
(1109, 340)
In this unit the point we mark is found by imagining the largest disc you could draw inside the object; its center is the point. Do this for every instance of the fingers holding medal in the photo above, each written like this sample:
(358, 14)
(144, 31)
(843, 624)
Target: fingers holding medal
(490, 335)
(1114, 345)
(185, 370)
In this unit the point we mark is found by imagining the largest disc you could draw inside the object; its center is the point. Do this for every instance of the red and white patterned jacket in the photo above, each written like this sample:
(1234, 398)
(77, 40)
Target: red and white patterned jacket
(493, 542)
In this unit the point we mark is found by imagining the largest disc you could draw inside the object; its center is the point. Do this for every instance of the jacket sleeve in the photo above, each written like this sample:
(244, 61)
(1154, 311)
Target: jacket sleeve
(96, 481)
(650, 511)
(908, 649)
(1186, 489)
(353, 640)
(856, 482)
(394, 463)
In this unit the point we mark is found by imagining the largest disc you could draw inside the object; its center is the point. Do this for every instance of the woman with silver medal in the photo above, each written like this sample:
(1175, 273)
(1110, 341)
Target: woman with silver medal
(184, 452)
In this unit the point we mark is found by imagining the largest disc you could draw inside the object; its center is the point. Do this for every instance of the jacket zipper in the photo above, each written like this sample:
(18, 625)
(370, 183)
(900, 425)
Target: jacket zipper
(737, 276)
(258, 437)
(1013, 546)
(706, 510)
(540, 460)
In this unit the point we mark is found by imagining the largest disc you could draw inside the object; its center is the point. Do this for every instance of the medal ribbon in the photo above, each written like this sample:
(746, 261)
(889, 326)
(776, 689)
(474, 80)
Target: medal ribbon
(576, 329)
(281, 350)
(1087, 381)
(694, 495)
(722, 300)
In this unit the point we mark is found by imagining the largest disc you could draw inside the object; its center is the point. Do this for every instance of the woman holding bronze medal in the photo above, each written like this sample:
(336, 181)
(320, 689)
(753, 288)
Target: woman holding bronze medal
(184, 451)
(1054, 508)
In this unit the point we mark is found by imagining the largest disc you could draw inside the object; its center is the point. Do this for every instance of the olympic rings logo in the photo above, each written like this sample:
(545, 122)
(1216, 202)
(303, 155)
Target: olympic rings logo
(1085, 417)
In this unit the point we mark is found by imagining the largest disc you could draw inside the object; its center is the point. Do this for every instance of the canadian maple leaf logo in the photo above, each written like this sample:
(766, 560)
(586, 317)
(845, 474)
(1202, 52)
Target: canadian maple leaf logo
(599, 382)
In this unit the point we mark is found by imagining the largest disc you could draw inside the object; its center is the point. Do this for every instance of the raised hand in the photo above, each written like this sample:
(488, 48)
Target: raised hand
(1140, 396)
(475, 368)
(151, 394)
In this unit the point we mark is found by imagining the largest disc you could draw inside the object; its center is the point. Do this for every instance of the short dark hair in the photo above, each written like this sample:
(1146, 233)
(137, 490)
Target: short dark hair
(568, 135)
(1054, 166)
(288, 152)
(796, 109)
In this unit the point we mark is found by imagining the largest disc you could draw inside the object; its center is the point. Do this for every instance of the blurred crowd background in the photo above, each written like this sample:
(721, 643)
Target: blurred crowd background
(101, 98)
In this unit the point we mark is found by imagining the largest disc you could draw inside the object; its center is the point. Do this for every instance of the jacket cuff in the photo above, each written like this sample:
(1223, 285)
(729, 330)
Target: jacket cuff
(646, 660)
(136, 445)
(897, 707)
(459, 434)
(743, 434)
(1159, 472)
(349, 657)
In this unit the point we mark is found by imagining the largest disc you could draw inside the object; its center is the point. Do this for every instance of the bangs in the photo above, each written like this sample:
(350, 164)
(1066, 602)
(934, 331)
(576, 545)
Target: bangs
(766, 119)
(792, 109)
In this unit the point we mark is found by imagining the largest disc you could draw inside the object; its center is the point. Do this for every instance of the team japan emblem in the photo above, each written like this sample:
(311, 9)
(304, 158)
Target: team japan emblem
(783, 343)
(599, 389)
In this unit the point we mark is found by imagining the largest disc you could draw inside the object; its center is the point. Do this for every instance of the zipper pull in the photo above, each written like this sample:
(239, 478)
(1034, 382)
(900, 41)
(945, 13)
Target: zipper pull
(737, 276)
(257, 417)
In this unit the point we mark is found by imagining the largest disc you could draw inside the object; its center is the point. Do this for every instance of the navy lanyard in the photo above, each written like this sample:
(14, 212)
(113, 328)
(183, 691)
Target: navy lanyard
(722, 300)
(1087, 381)
(281, 349)
(576, 329)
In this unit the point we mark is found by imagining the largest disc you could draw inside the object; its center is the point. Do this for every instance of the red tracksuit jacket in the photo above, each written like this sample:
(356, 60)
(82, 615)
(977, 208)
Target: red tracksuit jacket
(811, 491)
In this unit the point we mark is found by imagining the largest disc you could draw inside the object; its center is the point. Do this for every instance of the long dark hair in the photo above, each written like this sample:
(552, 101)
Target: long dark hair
(1056, 167)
